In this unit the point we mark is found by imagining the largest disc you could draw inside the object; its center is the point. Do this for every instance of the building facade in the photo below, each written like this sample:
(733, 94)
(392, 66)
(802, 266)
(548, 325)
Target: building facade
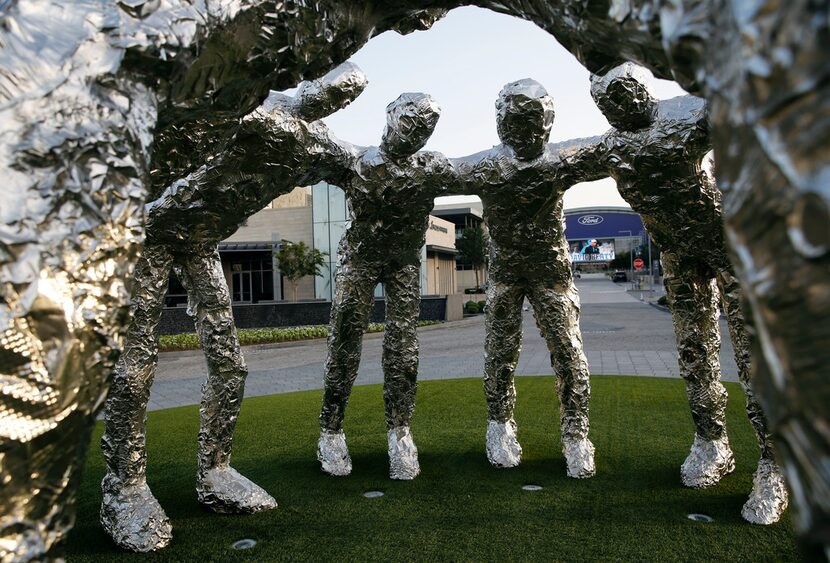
(318, 216)
(464, 216)
(597, 234)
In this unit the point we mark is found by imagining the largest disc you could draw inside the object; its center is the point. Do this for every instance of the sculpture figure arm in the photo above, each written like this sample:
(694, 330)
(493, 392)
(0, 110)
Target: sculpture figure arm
(470, 174)
(578, 160)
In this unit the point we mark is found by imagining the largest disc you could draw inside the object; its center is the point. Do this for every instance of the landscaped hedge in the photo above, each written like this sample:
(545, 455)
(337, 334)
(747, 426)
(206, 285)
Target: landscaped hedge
(471, 307)
(247, 336)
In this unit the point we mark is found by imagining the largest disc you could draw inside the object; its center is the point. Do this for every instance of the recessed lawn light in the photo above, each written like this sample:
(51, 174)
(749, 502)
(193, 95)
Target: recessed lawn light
(532, 487)
(244, 544)
(700, 518)
(373, 494)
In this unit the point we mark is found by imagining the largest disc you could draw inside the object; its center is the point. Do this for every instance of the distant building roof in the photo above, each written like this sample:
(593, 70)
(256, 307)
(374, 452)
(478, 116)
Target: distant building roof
(246, 246)
(602, 222)
(600, 209)
(441, 249)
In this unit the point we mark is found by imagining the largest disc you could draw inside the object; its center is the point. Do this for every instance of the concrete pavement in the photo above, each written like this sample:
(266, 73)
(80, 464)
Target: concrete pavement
(622, 335)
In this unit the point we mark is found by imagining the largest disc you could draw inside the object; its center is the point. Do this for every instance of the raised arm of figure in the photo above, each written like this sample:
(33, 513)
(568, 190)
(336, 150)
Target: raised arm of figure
(578, 160)
(291, 126)
(472, 172)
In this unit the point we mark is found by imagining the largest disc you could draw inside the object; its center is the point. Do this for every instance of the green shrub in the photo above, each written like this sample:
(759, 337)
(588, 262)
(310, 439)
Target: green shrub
(471, 307)
(249, 336)
(663, 301)
(482, 305)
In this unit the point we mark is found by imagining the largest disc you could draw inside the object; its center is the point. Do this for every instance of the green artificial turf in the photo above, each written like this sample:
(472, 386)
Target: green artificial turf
(459, 508)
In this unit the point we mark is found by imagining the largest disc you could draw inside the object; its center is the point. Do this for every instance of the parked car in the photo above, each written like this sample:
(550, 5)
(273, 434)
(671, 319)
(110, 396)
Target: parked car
(619, 276)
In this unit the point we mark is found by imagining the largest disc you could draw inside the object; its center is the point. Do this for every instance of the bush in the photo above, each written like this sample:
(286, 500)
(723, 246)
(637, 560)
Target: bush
(664, 301)
(482, 306)
(248, 336)
(471, 308)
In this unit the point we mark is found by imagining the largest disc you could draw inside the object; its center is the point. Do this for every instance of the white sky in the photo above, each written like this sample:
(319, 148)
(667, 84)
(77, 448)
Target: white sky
(463, 62)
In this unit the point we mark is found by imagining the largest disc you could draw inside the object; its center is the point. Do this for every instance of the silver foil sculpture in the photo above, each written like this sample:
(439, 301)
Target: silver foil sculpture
(272, 152)
(529, 259)
(391, 191)
(762, 67)
(86, 92)
(655, 153)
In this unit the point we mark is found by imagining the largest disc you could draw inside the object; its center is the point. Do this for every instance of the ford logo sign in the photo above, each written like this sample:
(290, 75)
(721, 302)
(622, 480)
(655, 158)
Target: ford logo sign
(590, 220)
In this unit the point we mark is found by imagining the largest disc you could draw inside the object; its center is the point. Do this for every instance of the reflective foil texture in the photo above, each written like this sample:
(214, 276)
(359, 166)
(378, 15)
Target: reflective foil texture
(390, 189)
(80, 90)
(767, 80)
(75, 133)
(184, 227)
(656, 155)
(529, 259)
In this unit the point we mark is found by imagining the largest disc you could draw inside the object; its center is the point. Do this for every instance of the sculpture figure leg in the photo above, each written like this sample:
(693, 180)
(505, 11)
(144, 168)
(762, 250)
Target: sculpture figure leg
(557, 314)
(219, 487)
(692, 296)
(400, 368)
(130, 513)
(769, 497)
(352, 306)
(502, 345)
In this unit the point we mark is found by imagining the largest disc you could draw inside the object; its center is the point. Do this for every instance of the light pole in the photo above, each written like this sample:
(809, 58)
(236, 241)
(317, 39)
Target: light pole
(630, 252)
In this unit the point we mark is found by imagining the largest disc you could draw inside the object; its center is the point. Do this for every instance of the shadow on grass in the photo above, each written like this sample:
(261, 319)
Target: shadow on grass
(459, 508)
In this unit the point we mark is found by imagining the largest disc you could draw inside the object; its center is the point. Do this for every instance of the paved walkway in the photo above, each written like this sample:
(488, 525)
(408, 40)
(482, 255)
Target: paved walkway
(622, 335)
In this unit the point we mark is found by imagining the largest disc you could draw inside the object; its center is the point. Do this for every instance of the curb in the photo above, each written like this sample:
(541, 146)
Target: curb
(661, 307)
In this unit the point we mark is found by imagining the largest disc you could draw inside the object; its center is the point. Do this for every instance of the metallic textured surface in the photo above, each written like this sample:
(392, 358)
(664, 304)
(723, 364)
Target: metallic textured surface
(502, 444)
(403, 454)
(529, 258)
(767, 80)
(656, 155)
(75, 135)
(184, 227)
(762, 66)
(333, 454)
(390, 189)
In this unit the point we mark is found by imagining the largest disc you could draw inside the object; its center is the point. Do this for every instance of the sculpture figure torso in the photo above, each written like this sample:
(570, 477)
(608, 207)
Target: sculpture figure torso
(390, 203)
(659, 172)
(523, 207)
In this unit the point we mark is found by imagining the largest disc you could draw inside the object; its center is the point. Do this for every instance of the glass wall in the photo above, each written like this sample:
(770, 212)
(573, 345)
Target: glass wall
(330, 217)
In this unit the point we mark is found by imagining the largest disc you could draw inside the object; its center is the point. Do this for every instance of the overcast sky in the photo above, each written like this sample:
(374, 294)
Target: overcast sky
(463, 62)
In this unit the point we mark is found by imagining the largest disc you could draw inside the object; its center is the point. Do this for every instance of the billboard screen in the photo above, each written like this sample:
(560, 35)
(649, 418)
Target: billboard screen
(592, 250)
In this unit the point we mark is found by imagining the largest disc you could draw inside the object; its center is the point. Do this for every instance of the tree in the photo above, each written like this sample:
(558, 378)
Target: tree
(297, 260)
(472, 248)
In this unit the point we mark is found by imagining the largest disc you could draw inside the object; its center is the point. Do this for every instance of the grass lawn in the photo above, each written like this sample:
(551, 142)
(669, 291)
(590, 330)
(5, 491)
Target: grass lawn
(459, 508)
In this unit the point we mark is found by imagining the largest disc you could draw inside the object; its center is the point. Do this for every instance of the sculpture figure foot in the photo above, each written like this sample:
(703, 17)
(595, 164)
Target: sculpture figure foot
(503, 448)
(132, 516)
(579, 456)
(403, 454)
(707, 463)
(333, 454)
(225, 490)
(769, 497)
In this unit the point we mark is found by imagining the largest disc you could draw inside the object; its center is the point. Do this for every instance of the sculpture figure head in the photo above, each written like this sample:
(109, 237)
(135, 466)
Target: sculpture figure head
(524, 116)
(318, 98)
(625, 97)
(410, 121)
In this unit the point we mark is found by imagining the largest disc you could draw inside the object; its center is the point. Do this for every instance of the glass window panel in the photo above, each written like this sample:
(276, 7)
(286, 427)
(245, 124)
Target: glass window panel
(337, 204)
(320, 202)
(336, 231)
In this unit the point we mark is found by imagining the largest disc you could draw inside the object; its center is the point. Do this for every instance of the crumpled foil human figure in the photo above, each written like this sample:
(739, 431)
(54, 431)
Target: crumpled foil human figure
(763, 71)
(73, 159)
(766, 76)
(84, 94)
(529, 259)
(391, 190)
(655, 154)
(272, 152)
